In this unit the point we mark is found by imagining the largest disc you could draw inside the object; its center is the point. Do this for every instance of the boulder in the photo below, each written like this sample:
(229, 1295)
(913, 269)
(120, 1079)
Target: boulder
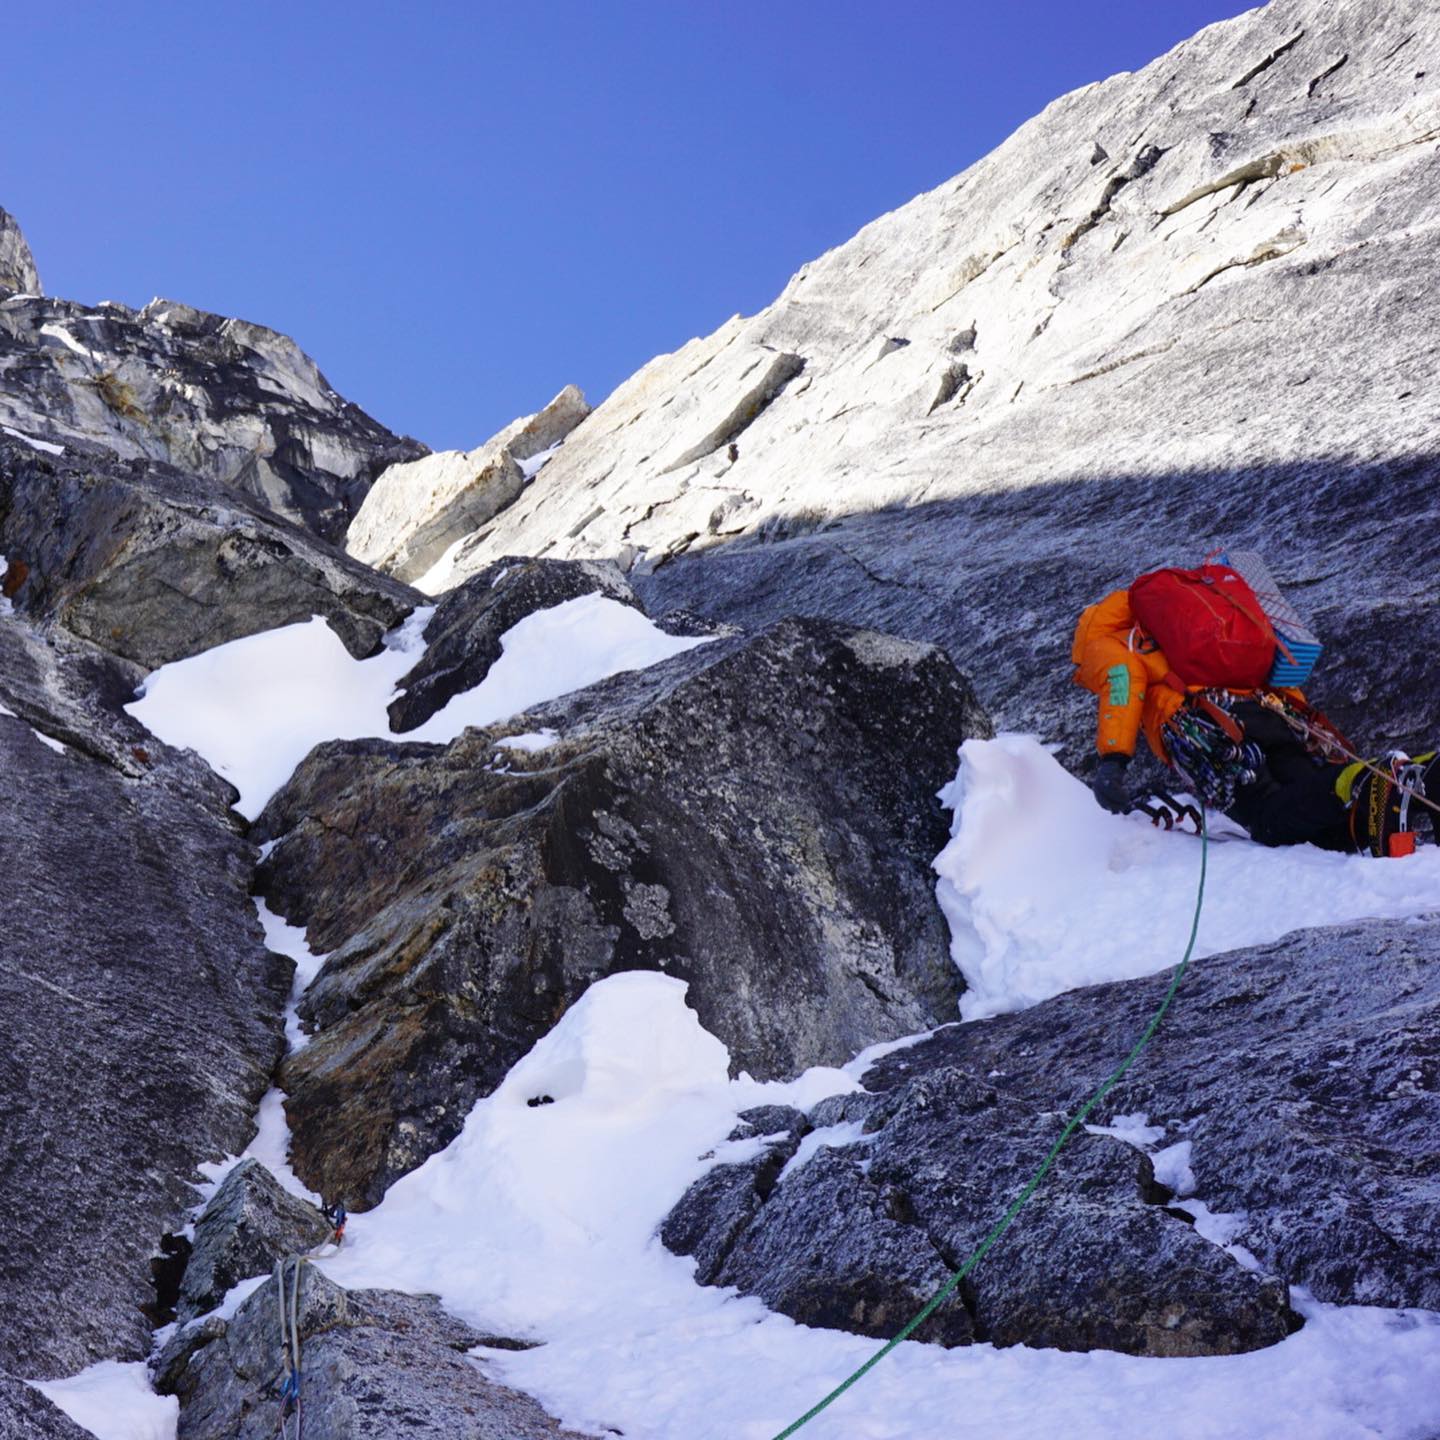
(373, 1362)
(250, 1222)
(1187, 306)
(462, 640)
(1278, 1131)
(143, 1011)
(232, 404)
(154, 565)
(416, 510)
(17, 264)
(757, 816)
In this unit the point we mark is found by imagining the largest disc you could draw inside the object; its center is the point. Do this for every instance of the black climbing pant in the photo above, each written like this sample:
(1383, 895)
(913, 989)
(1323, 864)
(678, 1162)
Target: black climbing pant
(1292, 800)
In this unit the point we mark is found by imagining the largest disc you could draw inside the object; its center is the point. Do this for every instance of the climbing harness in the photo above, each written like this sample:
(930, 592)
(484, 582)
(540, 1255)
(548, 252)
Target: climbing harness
(290, 1402)
(1016, 1205)
(1329, 741)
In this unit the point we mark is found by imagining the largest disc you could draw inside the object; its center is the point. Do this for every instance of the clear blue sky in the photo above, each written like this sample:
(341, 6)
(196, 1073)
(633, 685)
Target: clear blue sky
(457, 208)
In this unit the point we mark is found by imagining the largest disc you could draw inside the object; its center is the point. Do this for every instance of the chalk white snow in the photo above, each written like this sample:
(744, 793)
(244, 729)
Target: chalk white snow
(541, 1222)
(113, 1401)
(1045, 891)
(255, 707)
(48, 446)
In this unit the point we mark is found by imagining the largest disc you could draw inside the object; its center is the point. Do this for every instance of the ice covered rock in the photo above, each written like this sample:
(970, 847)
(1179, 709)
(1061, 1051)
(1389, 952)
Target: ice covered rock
(143, 1011)
(152, 564)
(250, 1222)
(374, 1363)
(417, 509)
(757, 816)
(1294, 1073)
(230, 403)
(1184, 306)
(17, 264)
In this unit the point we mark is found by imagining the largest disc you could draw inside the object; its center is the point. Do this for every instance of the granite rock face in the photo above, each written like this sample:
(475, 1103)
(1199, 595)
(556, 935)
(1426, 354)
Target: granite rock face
(26, 1414)
(250, 1222)
(462, 640)
(1298, 1080)
(739, 817)
(17, 264)
(416, 510)
(1185, 306)
(154, 565)
(142, 1008)
(225, 401)
(373, 1363)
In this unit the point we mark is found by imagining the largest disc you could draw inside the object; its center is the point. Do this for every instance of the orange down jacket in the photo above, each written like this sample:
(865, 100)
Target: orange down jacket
(1127, 670)
(1121, 664)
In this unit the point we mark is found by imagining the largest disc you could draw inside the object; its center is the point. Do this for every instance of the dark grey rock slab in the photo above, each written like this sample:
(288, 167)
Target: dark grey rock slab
(235, 405)
(142, 1010)
(374, 1363)
(17, 264)
(154, 565)
(250, 1222)
(757, 817)
(1302, 1075)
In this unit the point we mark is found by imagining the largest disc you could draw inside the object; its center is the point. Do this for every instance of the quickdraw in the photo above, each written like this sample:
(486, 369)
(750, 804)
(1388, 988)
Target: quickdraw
(1208, 749)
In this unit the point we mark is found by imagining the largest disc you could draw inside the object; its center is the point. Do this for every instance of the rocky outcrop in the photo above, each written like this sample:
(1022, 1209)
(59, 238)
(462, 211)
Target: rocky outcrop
(25, 1414)
(17, 264)
(154, 565)
(374, 1363)
(739, 817)
(462, 640)
(249, 1223)
(227, 402)
(142, 1008)
(415, 511)
(1278, 1131)
(1184, 306)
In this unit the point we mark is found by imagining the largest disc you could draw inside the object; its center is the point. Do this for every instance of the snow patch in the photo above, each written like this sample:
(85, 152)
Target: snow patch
(60, 333)
(49, 447)
(255, 707)
(532, 466)
(114, 1401)
(536, 740)
(830, 1137)
(1045, 892)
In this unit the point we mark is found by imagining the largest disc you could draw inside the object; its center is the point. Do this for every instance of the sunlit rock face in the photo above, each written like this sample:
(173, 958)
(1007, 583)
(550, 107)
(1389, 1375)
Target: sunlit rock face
(17, 264)
(1188, 305)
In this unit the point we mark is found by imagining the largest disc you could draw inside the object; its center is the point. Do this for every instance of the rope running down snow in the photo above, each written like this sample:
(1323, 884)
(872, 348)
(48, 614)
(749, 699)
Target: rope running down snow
(1004, 1223)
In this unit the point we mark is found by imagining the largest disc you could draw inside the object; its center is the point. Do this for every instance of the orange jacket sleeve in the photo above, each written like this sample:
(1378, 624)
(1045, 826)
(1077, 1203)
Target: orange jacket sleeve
(1108, 666)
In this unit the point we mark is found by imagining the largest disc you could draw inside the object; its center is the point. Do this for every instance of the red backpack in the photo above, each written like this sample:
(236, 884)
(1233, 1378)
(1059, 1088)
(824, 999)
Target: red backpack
(1209, 623)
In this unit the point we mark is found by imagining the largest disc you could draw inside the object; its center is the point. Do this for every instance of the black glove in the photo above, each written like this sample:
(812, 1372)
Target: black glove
(1109, 784)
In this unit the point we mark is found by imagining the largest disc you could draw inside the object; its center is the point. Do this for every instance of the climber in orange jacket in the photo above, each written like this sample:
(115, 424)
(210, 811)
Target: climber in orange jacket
(1237, 752)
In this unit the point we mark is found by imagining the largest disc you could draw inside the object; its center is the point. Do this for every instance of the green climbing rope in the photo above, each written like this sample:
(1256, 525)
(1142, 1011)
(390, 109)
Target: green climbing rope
(1005, 1221)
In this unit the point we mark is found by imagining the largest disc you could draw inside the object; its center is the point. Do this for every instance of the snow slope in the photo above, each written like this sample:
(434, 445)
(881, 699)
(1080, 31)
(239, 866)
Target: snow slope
(1045, 891)
(540, 1220)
